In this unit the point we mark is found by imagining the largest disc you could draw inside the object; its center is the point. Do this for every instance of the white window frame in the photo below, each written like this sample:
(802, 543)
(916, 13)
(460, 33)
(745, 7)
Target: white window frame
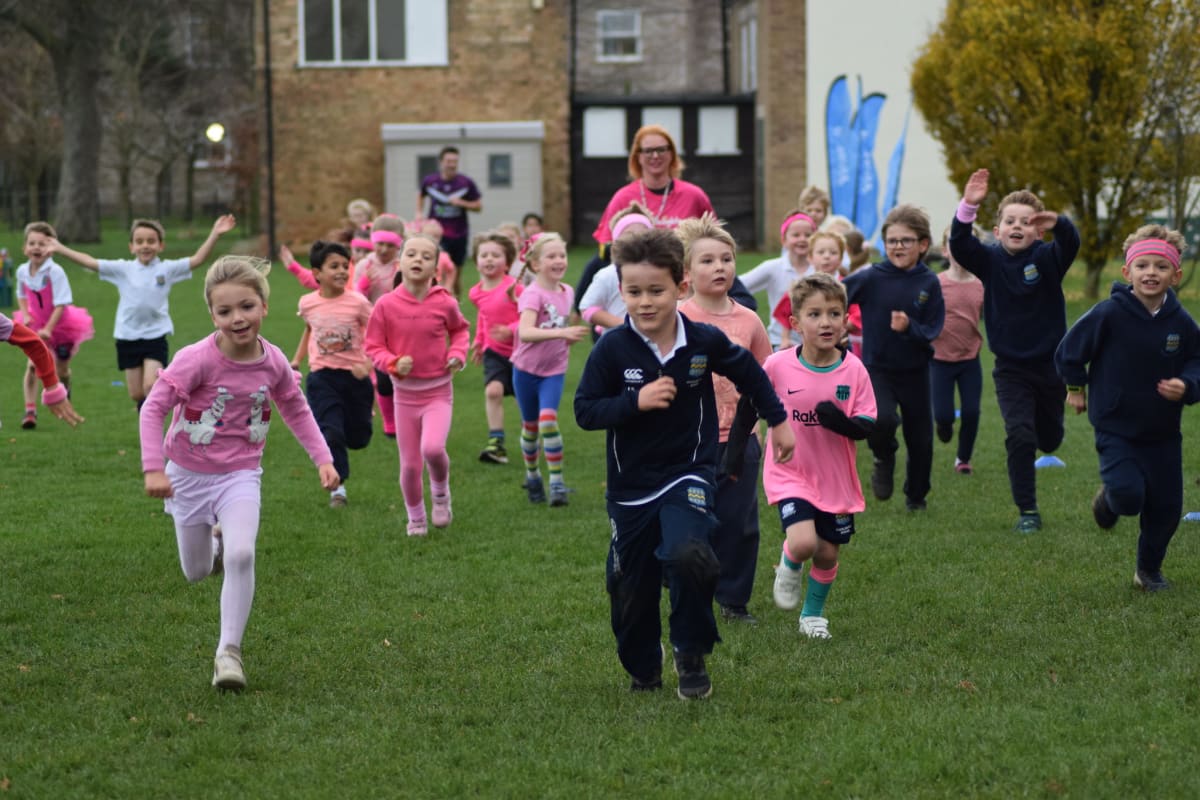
(426, 36)
(604, 132)
(635, 34)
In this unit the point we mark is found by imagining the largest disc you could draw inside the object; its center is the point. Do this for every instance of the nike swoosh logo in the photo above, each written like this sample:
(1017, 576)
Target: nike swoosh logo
(794, 391)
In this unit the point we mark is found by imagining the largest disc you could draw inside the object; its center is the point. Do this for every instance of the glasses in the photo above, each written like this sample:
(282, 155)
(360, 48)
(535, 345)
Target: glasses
(654, 151)
(901, 244)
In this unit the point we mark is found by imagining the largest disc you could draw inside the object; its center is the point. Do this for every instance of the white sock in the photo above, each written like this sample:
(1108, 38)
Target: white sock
(339, 492)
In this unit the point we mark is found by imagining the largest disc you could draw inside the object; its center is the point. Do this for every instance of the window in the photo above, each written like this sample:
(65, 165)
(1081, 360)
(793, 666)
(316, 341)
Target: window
(671, 118)
(718, 131)
(500, 171)
(619, 35)
(368, 33)
(604, 133)
(747, 46)
(426, 165)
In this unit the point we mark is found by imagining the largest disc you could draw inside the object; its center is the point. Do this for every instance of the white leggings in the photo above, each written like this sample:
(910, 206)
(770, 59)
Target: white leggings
(233, 500)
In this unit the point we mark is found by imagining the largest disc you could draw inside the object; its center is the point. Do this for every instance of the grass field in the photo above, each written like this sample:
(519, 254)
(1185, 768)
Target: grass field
(967, 661)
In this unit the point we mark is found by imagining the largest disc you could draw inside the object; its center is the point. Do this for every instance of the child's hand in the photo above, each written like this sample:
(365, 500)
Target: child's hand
(66, 412)
(285, 254)
(1044, 221)
(501, 333)
(295, 364)
(1172, 389)
(225, 224)
(899, 321)
(657, 394)
(362, 369)
(783, 442)
(158, 484)
(574, 333)
(403, 366)
(453, 364)
(329, 477)
(45, 333)
(1078, 401)
(475, 356)
(977, 187)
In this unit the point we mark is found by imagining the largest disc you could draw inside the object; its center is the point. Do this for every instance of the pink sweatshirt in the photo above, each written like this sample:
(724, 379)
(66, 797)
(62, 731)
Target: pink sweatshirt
(222, 409)
(432, 331)
(495, 309)
(375, 279)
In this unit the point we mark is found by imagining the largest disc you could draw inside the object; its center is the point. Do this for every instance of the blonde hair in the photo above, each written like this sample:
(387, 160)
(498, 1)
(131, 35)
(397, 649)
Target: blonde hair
(706, 226)
(1155, 231)
(816, 283)
(836, 238)
(389, 222)
(814, 194)
(633, 208)
(246, 271)
(360, 204)
(44, 228)
(532, 253)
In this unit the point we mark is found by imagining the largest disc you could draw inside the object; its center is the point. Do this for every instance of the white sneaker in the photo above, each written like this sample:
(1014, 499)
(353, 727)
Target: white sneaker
(227, 669)
(815, 627)
(787, 586)
(442, 514)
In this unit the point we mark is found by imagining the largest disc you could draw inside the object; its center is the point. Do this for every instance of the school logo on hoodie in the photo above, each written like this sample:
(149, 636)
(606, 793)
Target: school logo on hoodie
(1031, 274)
(1172, 345)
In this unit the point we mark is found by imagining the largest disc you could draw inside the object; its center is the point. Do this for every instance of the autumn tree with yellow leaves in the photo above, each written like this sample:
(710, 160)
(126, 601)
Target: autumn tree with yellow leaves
(1093, 105)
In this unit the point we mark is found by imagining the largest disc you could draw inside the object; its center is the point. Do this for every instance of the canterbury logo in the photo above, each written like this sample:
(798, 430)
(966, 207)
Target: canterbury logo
(633, 375)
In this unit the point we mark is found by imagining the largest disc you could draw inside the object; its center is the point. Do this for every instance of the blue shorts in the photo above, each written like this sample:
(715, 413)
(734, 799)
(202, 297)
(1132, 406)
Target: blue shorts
(833, 528)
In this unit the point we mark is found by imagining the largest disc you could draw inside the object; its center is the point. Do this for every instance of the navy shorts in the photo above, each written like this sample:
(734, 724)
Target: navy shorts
(833, 528)
(497, 368)
(133, 353)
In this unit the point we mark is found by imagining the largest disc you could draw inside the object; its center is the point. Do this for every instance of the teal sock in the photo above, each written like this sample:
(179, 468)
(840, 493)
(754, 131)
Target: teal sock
(787, 562)
(820, 581)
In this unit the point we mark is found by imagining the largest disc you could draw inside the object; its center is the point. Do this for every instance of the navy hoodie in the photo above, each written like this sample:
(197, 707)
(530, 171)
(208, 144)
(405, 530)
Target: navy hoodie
(647, 450)
(881, 289)
(1120, 351)
(1024, 311)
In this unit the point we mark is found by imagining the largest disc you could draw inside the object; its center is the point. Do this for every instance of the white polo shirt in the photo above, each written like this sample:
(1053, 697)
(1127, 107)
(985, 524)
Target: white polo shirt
(142, 311)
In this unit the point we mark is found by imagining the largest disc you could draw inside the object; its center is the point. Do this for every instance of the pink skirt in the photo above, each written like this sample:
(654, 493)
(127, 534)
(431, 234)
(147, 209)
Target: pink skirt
(74, 327)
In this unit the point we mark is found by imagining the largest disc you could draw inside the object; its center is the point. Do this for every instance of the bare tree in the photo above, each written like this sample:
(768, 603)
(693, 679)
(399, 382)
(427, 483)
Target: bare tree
(31, 139)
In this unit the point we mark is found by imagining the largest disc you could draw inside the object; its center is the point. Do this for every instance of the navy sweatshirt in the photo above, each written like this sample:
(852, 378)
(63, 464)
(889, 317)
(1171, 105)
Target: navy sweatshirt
(1120, 352)
(649, 449)
(1024, 311)
(881, 289)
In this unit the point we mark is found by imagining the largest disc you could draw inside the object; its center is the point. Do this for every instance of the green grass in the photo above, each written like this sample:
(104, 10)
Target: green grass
(967, 661)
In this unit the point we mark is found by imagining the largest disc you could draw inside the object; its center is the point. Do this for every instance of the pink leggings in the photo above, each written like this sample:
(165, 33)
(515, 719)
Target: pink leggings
(422, 428)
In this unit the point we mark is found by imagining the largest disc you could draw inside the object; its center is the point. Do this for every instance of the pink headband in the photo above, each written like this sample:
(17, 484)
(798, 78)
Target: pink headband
(362, 244)
(630, 219)
(1152, 247)
(799, 216)
(528, 244)
(387, 237)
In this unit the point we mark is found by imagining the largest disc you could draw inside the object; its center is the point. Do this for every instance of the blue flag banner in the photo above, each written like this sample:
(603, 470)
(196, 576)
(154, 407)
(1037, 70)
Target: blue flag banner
(891, 189)
(840, 147)
(866, 204)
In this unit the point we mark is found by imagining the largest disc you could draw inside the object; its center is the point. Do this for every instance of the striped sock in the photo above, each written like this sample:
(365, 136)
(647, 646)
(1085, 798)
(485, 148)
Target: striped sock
(552, 444)
(529, 447)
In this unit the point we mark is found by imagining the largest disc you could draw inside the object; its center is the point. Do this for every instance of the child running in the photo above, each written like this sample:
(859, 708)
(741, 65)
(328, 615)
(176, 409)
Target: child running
(418, 337)
(1139, 351)
(1025, 315)
(54, 394)
(44, 297)
(710, 264)
(495, 331)
(830, 405)
(649, 384)
(956, 359)
(377, 277)
(143, 319)
(219, 392)
(777, 275)
(902, 313)
(339, 387)
(540, 362)
(826, 250)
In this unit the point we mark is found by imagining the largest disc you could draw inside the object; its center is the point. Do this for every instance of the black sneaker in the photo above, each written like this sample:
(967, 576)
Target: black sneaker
(650, 685)
(1105, 517)
(738, 614)
(915, 505)
(494, 453)
(694, 683)
(1149, 581)
(881, 478)
(945, 431)
(535, 488)
(1028, 522)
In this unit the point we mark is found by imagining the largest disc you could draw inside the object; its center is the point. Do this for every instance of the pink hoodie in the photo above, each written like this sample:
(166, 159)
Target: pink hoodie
(432, 331)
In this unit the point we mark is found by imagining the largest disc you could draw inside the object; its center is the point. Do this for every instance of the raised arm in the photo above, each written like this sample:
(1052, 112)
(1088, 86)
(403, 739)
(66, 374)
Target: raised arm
(82, 259)
(966, 249)
(224, 224)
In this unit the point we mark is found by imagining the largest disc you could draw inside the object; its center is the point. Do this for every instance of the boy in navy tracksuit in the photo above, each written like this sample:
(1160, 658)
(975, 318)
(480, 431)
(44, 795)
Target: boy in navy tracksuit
(902, 313)
(1139, 351)
(1026, 316)
(649, 383)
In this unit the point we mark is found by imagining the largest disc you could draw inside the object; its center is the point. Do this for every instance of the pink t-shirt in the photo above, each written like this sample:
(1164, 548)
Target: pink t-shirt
(376, 279)
(683, 201)
(495, 308)
(548, 357)
(431, 330)
(222, 409)
(960, 339)
(743, 327)
(337, 327)
(822, 470)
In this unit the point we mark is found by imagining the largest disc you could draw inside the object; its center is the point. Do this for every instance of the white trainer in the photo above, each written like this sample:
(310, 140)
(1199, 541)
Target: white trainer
(815, 627)
(787, 586)
(442, 514)
(227, 669)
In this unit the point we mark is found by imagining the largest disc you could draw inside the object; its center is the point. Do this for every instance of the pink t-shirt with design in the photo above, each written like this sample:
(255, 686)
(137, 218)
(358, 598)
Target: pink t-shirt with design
(960, 339)
(496, 308)
(222, 409)
(547, 357)
(743, 327)
(822, 470)
(337, 327)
